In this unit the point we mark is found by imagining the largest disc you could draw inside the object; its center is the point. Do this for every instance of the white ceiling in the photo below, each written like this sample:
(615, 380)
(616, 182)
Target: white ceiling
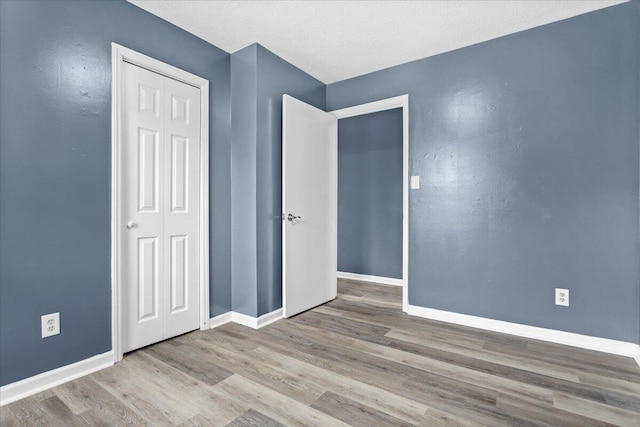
(336, 40)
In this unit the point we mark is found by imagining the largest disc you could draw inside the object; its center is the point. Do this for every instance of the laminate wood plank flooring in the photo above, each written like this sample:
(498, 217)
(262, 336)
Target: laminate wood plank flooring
(357, 361)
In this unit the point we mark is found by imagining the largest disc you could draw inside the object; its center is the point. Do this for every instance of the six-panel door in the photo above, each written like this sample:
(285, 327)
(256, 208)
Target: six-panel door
(160, 207)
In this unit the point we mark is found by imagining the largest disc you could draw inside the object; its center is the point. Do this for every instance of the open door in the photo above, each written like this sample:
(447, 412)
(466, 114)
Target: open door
(309, 206)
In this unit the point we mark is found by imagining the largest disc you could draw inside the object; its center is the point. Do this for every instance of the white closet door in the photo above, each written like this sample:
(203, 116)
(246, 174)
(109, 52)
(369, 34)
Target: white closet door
(160, 186)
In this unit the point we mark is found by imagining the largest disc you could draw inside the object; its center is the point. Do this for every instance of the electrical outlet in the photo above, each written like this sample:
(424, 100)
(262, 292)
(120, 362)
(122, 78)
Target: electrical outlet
(50, 324)
(562, 297)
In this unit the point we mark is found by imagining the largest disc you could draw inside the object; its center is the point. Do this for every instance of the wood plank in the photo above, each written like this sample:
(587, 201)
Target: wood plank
(253, 418)
(544, 414)
(262, 373)
(59, 412)
(596, 411)
(523, 363)
(354, 413)
(198, 421)
(375, 397)
(93, 404)
(195, 364)
(608, 383)
(438, 418)
(158, 389)
(273, 404)
(472, 405)
(333, 359)
(29, 412)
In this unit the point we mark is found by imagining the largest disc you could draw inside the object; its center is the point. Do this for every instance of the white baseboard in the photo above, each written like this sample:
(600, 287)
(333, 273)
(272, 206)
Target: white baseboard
(32, 385)
(551, 335)
(269, 318)
(220, 320)
(367, 278)
(246, 320)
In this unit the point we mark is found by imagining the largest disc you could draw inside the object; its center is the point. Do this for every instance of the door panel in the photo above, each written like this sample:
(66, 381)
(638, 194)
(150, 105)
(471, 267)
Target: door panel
(160, 171)
(179, 172)
(182, 207)
(179, 277)
(148, 168)
(309, 190)
(142, 258)
(147, 283)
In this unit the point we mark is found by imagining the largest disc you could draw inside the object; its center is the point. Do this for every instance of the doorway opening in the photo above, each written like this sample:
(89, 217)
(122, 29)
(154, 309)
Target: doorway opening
(373, 216)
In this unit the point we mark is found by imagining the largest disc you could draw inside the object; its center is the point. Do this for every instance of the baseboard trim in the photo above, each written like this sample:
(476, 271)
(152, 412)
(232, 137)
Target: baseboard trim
(367, 278)
(269, 318)
(246, 320)
(605, 345)
(46, 380)
(220, 320)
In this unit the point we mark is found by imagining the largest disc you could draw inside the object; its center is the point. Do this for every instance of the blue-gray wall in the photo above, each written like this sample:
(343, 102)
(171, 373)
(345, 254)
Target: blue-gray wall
(259, 79)
(55, 171)
(370, 194)
(527, 147)
(244, 65)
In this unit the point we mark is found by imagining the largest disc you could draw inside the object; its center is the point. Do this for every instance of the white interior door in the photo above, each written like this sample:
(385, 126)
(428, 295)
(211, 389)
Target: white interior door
(310, 206)
(160, 207)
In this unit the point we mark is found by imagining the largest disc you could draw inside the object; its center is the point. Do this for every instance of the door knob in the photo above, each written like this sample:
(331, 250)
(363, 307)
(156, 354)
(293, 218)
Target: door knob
(291, 217)
(131, 224)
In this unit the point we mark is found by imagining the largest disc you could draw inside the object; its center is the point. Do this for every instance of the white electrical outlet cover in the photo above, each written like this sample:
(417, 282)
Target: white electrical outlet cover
(50, 324)
(562, 297)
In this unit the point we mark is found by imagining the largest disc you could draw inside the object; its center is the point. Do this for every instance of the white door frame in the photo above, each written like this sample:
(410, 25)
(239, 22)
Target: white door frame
(401, 101)
(120, 55)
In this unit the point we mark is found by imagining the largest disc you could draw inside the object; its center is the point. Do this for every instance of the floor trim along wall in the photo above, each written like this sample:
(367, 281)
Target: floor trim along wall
(551, 335)
(32, 385)
(220, 319)
(367, 278)
(246, 320)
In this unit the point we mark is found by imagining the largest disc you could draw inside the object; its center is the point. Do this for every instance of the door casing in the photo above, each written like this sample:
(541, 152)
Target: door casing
(120, 55)
(401, 101)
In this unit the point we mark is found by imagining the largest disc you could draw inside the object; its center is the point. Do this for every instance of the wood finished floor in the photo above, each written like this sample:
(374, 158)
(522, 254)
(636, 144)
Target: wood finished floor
(355, 361)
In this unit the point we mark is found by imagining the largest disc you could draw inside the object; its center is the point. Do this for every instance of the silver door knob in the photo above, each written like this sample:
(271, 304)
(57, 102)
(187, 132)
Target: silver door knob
(291, 217)
(131, 224)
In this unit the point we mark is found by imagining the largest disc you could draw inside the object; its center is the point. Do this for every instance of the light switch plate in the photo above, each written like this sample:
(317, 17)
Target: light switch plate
(415, 182)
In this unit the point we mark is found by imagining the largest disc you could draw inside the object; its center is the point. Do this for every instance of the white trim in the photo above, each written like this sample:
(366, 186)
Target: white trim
(245, 319)
(551, 335)
(269, 318)
(366, 278)
(120, 54)
(636, 357)
(220, 319)
(401, 101)
(257, 322)
(32, 385)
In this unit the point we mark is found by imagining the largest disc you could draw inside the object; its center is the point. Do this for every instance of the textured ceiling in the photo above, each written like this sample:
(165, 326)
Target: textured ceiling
(336, 40)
